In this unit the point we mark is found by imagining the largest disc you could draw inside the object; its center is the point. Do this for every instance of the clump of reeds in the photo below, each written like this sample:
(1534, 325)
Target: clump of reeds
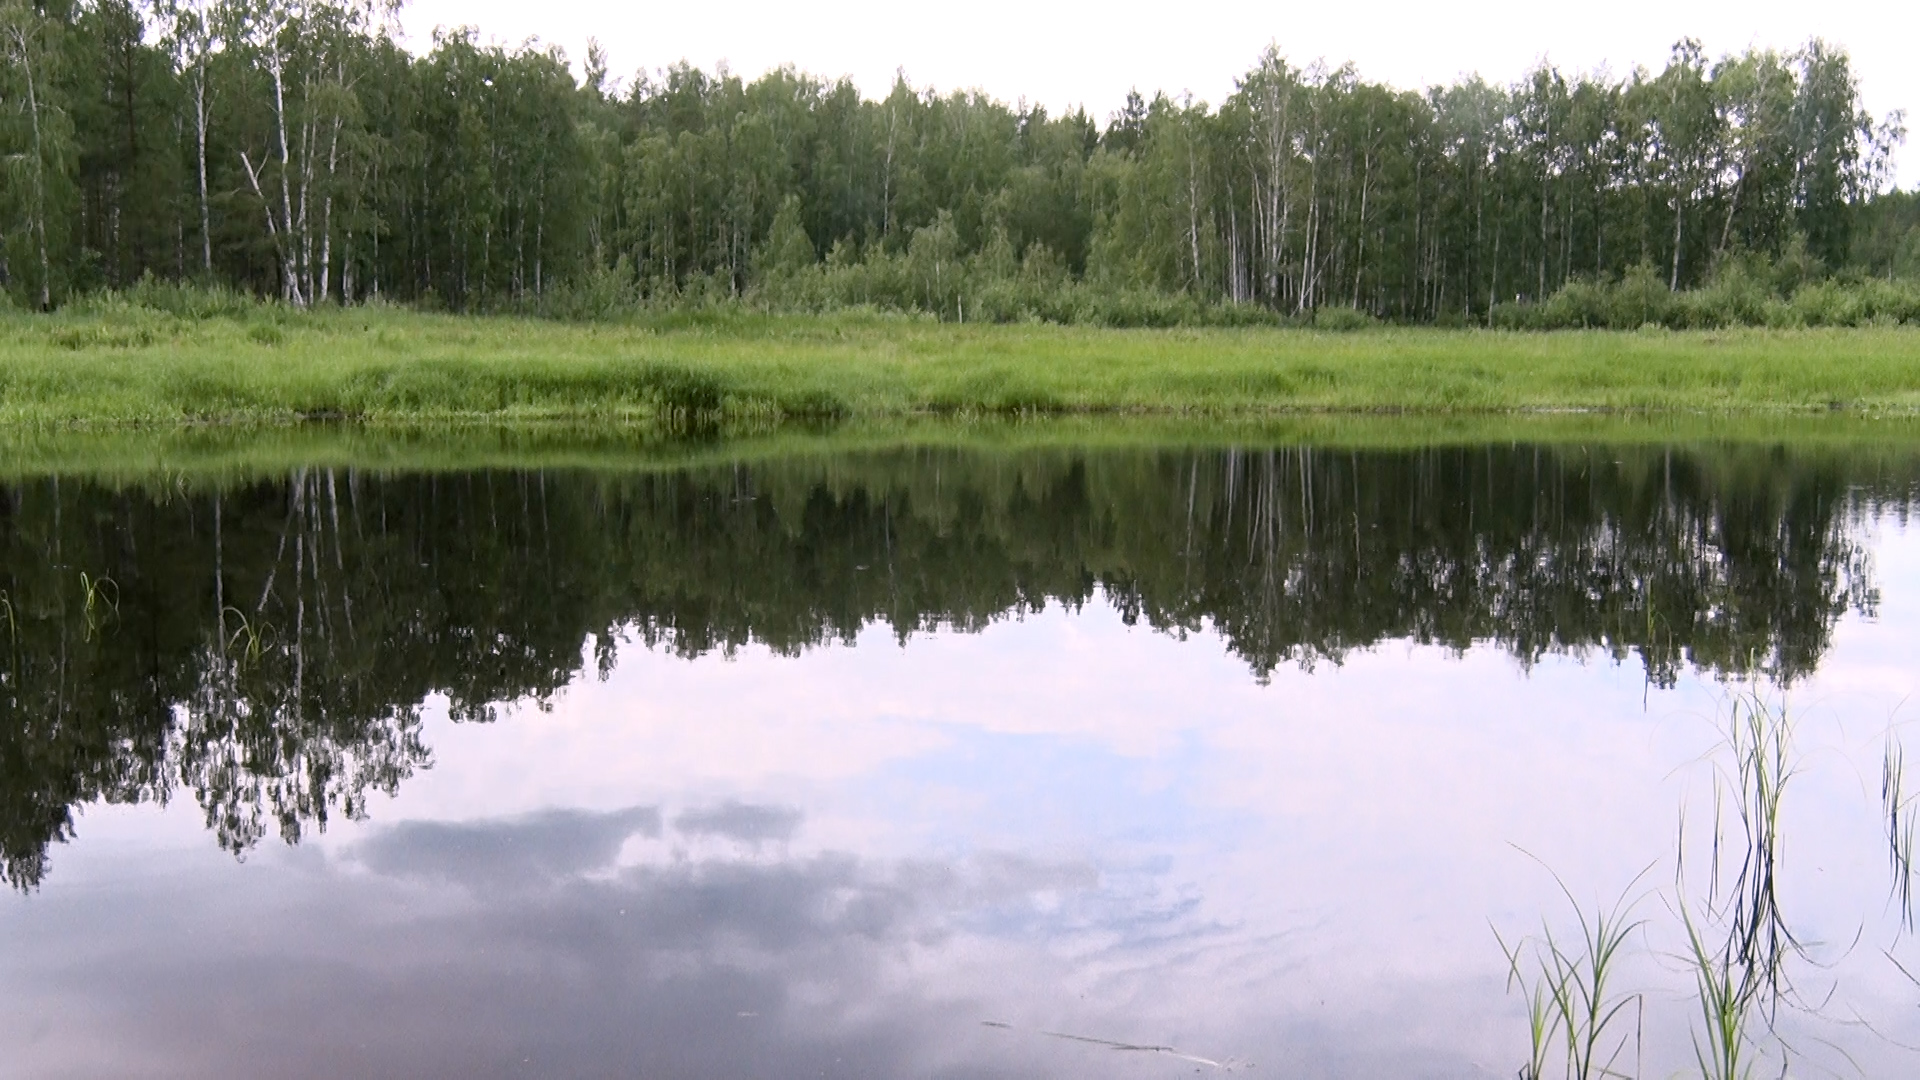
(1726, 994)
(1572, 1003)
(1897, 809)
(100, 600)
(1739, 943)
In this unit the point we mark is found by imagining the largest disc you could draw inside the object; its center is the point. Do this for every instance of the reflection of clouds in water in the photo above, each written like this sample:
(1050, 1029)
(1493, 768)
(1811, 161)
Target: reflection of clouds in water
(887, 964)
(740, 821)
(628, 940)
(564, 869)
(514, 851)
(1062, 823)
(529, 946)
(535, 945)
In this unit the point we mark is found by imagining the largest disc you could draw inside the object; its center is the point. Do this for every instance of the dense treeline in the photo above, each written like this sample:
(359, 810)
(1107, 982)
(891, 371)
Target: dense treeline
(293, 148)
(266, 648)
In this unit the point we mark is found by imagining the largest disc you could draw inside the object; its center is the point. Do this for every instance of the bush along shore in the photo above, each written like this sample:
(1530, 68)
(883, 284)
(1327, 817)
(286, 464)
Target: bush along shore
(994, 287)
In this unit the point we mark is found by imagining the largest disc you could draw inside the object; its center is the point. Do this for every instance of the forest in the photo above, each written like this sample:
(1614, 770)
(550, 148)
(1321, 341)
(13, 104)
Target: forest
(297, 151)
(267, 644)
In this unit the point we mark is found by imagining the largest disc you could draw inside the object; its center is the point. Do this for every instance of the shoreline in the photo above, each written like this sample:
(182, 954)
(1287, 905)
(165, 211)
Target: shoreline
(145, 455)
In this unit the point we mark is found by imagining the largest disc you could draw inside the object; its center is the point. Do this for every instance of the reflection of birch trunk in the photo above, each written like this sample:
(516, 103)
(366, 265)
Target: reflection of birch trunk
(333, 511)
(266, 591)
(299, 601)
(219, 578)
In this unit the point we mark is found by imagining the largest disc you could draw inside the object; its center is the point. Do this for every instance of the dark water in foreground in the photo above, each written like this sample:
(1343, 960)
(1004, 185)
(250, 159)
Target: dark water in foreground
(911, 764)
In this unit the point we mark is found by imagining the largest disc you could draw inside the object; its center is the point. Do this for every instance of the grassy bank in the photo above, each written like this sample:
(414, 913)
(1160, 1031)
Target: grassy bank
(136, 365)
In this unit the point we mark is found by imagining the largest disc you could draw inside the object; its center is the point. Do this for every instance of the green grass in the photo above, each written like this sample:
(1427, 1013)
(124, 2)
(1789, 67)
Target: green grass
(136, 365)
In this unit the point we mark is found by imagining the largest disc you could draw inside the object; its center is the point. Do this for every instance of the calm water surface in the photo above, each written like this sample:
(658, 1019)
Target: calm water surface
(947, 763)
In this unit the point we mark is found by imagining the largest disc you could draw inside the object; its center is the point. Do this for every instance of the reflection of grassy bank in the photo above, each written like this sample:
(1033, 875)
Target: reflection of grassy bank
(136, 364)
(213, 452)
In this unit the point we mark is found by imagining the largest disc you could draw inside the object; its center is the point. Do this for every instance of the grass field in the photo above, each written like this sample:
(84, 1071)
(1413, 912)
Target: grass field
(392, 366)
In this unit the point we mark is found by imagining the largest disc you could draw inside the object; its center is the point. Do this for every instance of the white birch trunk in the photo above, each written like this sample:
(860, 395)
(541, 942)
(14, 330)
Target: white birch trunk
(39, 169)
(286, 241)
(200, 159)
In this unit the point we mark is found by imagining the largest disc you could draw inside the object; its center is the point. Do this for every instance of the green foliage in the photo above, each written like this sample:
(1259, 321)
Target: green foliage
(1342, 319)
(182, 300)
(37, 152)
(1742, 292)
(1887, 236)
(599, 293)
(788, 252)
(300, 151)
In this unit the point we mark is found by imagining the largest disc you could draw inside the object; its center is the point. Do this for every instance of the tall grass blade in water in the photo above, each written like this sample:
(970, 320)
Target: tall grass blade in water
(1543, 995)
(1897, 807)
(1739, 942)
(1570, 989)
(100, 599)
(1760, 738)
(1726, 994)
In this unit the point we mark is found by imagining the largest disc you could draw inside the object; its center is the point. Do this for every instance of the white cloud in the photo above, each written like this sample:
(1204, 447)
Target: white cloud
(1066, 54)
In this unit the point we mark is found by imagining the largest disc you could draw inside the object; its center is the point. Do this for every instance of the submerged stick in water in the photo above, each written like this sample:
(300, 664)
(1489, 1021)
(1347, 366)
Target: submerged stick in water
(1113, 1045)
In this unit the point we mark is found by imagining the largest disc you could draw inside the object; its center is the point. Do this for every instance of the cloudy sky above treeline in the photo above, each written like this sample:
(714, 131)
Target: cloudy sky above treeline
(1062, 54)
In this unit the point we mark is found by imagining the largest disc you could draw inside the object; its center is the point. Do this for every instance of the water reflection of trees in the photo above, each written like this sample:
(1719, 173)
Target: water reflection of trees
(266, 648)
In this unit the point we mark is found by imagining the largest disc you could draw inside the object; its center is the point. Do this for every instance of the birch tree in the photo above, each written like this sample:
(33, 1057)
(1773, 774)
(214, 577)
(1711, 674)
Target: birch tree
(309, 155)
(307, 53)
(38, 156)
(188, 34)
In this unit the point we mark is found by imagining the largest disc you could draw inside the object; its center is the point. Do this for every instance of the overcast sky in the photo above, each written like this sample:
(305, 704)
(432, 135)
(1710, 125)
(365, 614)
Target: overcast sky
(1062, 54)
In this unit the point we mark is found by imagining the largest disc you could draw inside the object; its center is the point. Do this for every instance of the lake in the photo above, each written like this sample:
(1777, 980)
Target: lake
(963, 759)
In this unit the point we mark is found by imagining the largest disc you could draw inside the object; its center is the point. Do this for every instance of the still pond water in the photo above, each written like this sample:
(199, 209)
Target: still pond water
(939, 762)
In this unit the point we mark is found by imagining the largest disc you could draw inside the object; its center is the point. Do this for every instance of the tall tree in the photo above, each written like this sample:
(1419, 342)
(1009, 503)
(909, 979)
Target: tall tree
(39, 153)
(188, 34)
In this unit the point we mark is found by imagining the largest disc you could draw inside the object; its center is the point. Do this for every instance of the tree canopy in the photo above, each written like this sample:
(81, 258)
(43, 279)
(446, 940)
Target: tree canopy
(294, 148)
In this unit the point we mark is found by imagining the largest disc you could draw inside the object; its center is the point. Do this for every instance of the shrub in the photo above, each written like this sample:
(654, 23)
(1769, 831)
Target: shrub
(601, 293)
(1882, 300)
(1580, 304)
(1734, 297)
(1740, 293)
(187, 301)
(1820, 304)
(1641, 297)
(1343, 319)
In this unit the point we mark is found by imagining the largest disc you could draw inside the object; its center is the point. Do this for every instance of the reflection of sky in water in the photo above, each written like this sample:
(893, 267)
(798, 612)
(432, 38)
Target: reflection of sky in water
(842, 863)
